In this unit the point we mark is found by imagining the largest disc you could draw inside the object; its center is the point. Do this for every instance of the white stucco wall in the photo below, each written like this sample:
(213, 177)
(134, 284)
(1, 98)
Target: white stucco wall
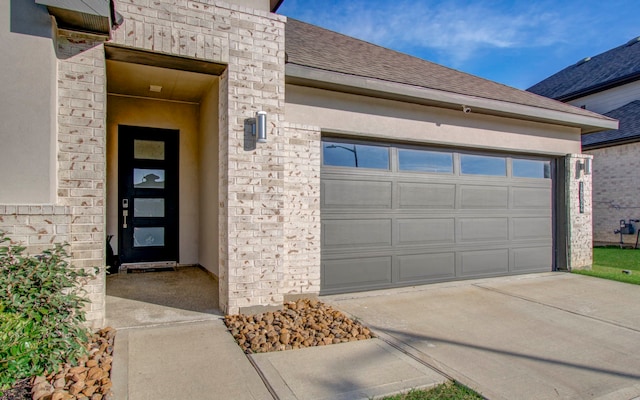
(392, 120)
(27, 104)
(166, 115)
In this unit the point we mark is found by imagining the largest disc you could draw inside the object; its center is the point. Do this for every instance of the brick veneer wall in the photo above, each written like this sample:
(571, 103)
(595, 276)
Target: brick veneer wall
(616, 185)
(251, 183)
(579, 224)
(81, 156)
(251, 43)
(77, 216)
(301, 215)
(37, 227)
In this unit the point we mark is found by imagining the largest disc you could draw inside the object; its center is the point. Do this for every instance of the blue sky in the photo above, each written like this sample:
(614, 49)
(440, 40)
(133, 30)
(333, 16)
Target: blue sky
(515, 42)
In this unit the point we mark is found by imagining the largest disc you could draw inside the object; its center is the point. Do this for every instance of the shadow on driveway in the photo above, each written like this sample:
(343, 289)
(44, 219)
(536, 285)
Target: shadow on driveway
(541, 336)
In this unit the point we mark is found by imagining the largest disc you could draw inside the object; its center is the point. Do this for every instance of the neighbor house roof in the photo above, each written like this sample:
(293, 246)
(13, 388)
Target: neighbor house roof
(629, 117)
(322, 58)
(593, 74)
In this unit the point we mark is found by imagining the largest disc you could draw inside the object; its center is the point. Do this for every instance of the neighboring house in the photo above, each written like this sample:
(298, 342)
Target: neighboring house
(609, 84)
(378, 169)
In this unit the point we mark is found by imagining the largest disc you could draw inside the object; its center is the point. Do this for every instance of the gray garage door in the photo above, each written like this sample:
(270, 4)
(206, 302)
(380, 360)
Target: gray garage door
(398, 215)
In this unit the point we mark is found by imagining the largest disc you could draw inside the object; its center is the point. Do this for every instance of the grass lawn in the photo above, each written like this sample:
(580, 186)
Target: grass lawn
(609, 262)
(441, 392)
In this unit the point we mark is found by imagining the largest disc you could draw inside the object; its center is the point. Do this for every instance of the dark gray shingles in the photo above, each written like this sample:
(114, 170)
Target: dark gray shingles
(629, 117)
(315, 47)
(606, 69)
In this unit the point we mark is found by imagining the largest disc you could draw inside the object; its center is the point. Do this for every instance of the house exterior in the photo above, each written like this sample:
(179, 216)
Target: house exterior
(146, 120)
(609, 84)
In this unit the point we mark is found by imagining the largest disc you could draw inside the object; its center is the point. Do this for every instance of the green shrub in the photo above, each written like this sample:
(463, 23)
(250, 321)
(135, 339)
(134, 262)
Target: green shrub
(41, 311)
(18, 349)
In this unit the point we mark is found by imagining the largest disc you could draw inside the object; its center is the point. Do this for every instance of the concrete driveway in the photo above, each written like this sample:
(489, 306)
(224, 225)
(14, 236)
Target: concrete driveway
(541, 336)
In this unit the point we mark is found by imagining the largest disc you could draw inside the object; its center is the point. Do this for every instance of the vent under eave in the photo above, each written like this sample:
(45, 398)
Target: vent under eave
(90, 16)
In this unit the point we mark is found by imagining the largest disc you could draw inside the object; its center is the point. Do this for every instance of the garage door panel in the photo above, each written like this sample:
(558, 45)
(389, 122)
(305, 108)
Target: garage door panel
(531, 228)
(350, 233)
(420, 267)
(478, 197)
(532, 259)
(527, 197)
(411, 225)
(484, 229)
(356, 273)
(484, 262)
(425, 195)
(360, 194)
(425, 231)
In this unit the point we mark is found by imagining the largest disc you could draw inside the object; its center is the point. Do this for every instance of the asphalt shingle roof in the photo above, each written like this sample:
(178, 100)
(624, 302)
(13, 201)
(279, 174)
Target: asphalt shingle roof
(613, 67)
(311, 46)
(629, 117)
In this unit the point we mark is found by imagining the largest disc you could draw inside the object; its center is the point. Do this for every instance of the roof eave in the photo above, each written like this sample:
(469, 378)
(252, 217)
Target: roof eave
(599, 87)
(323, 79)
(275, 4)
(611, 143)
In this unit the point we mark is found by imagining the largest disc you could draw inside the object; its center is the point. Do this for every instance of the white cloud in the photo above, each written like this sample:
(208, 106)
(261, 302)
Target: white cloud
(516, 42)
(455, 30)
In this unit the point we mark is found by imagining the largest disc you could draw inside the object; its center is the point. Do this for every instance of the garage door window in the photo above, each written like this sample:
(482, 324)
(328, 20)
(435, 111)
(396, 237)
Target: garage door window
(531, 169)
(341, 154)
(425, 161)
(483, 165)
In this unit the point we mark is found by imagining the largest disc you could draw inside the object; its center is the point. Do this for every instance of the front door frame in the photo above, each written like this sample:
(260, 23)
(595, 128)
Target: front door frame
(127, 220)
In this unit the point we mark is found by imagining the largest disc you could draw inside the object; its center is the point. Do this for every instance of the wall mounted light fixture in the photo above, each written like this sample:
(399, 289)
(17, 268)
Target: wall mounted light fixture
(584, 166)
(259, 129)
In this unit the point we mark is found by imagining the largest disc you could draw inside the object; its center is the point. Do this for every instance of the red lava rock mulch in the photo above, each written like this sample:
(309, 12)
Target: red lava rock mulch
(304, 323)
(89, 379)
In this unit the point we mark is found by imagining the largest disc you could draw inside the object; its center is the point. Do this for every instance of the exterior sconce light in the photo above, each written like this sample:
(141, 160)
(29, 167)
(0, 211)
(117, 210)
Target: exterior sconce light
(585, 166)
(259, 129)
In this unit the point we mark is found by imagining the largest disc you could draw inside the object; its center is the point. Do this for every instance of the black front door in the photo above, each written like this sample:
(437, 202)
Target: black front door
(148, 194)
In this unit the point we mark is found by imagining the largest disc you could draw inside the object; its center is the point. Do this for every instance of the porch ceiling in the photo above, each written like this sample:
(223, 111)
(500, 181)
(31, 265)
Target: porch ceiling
(136, 80)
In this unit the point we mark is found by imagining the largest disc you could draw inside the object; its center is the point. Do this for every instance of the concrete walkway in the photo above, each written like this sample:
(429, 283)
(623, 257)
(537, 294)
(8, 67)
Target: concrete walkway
(542, 336)
(180, 349)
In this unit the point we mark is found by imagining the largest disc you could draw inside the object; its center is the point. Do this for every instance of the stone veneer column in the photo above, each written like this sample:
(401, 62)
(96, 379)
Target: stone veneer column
(579, 223)
(81, 156)
(251, 182)
(251, 257)
(301, 215)
(223, 192)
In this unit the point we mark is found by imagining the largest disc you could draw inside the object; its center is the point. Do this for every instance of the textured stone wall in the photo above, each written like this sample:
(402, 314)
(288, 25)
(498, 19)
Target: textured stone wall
(37, 227)
(301, 215)
(579, 223)
(77, 215)
(223, 192)
(81, 156)
(254, 177)
(616, 185)
(251, 181)
(251, 233)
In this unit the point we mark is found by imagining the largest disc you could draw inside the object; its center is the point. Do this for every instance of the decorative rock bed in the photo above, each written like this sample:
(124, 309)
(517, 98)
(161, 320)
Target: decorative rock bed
(90, 379)
(304, 323)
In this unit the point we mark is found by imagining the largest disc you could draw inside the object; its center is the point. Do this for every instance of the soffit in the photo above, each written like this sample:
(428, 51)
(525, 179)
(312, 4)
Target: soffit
(135, 80)
(132, 72)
